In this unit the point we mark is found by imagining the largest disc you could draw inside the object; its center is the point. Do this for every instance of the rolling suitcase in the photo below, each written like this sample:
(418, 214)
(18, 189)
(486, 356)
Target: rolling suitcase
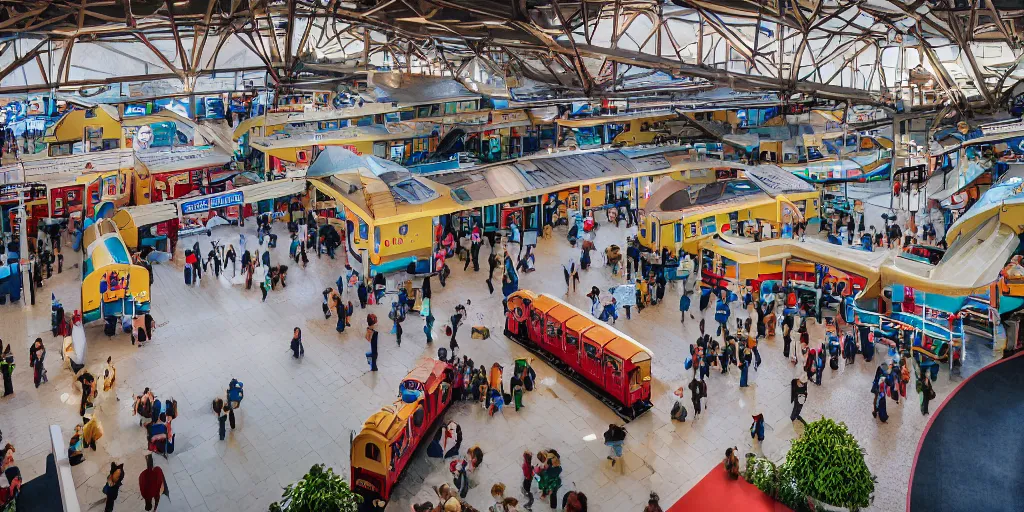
(188, 276)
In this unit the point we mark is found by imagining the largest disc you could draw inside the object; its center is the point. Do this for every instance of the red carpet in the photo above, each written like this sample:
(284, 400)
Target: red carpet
(717, 492)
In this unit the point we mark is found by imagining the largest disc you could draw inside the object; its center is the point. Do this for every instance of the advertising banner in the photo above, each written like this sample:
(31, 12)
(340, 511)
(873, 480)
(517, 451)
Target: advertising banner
(210, 203)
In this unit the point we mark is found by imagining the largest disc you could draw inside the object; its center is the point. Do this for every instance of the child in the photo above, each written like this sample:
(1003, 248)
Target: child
(497, 402)
(528, 477)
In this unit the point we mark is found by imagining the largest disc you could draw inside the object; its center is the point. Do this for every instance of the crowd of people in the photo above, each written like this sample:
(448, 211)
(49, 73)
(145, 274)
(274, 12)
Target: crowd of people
(743, 320)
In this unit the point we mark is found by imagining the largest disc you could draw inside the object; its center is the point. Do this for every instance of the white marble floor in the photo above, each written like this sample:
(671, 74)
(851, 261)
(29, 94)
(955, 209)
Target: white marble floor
(298, 413)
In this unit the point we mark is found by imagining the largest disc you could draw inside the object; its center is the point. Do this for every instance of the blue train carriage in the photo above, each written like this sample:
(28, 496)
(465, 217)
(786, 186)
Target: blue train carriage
(111, 284)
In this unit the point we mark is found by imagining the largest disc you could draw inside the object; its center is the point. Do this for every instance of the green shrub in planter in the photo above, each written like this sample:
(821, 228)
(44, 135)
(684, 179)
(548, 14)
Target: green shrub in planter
(827, 464)
(321, 490)
(776, 481)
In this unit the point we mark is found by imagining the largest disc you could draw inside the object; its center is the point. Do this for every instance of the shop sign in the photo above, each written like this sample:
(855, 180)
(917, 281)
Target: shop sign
(508, 117)
(474, 118)
(136, 109)
(212, 203)
(9, 191)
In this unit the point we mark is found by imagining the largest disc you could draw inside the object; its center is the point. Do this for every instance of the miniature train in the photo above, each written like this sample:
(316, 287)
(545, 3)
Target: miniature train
(382, 449)
(609, 364)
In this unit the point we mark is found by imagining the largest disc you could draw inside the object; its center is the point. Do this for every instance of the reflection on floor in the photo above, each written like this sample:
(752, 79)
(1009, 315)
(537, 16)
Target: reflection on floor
(298, 413)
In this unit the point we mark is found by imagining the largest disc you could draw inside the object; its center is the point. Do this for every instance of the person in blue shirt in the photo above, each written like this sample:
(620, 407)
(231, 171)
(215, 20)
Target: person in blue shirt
(235, 393)
(722, 313)
(757, 428)
(684, 306)
(865, 242)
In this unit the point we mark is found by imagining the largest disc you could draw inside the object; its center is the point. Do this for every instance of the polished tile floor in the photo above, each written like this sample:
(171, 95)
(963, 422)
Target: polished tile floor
(301, 412)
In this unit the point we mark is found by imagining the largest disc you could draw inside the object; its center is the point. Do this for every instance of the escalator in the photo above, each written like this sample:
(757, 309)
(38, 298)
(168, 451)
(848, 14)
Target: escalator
(450, 144)
(711, 129)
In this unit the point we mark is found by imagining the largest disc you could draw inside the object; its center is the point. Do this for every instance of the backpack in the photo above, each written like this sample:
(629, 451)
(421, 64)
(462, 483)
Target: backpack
(678, 412)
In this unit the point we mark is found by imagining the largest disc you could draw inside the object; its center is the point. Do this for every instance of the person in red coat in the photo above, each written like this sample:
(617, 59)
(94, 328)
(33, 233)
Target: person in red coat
(151, 484)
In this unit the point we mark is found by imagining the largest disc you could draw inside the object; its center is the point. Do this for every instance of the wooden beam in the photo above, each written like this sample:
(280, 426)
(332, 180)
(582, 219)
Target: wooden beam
(170, 66)
(20, 61)
(42, 69)
(185, 66)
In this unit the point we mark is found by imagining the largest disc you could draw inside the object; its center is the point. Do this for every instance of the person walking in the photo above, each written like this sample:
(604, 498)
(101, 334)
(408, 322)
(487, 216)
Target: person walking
(151, 484)
(7, 368)
(296, 344)
(230, 256)
(456, 321)
(757, 428)
(266, 283)
(572, 276)
(614, 438)
(744, 364)
(925, 393)
(798, 396)
(326, 305)
(517, 387)
(114, 480)
(698, 390)
(224, 415)
(36, 355)
(493, 263)
(527, 468)
(343, 314)
(363, 294)
(371, 337)
(684, 306)
(428, 327)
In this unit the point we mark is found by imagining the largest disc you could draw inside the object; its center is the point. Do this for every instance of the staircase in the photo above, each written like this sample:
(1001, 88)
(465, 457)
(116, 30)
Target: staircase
(710, 128)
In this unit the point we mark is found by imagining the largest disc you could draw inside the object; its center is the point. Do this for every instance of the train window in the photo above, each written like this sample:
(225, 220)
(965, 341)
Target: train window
(372, 452)
(535, 316)
(417, 417)
(572, 340)
(554, 329)
(446, 391)
(591, 351)
(613, 363)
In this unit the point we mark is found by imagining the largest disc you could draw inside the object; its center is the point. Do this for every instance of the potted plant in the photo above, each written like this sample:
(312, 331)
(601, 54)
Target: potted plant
(320, 490)
(824, 470)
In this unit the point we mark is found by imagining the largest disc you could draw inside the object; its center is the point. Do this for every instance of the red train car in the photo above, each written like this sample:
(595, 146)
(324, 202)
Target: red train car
(381, 450)
(611, 365)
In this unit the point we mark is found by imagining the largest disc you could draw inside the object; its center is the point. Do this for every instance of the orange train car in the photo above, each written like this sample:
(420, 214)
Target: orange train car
(382, 449)
(609, 364)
